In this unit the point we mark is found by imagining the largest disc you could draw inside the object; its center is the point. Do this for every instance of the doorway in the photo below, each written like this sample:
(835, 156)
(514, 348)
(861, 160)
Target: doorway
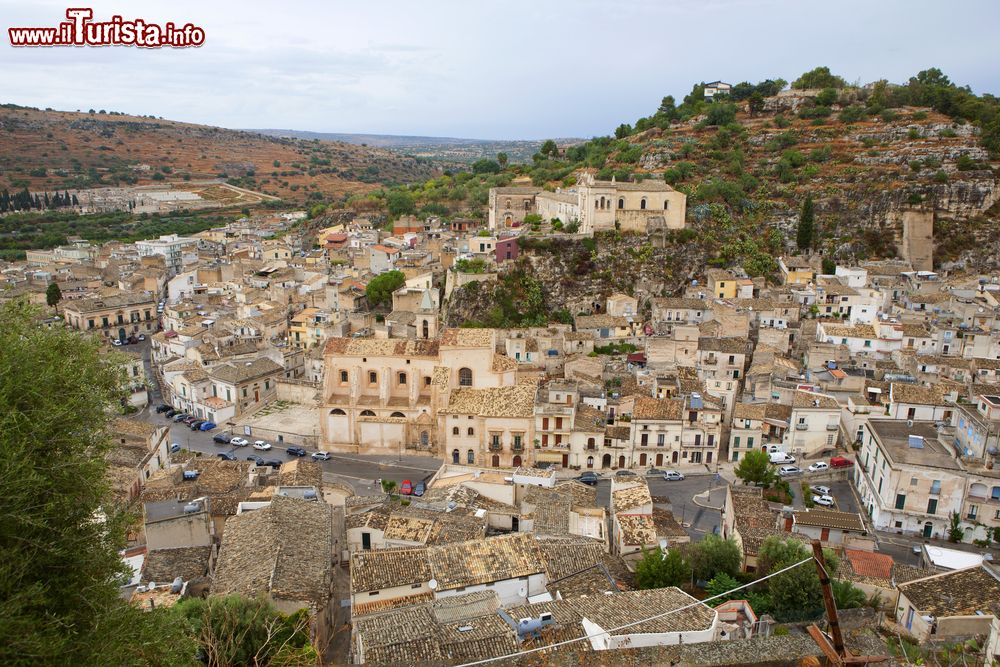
(606, 461)
(516, 462)
(928, 529)
(659, 460)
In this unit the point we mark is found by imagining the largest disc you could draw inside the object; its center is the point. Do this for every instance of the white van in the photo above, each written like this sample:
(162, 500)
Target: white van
(781, 457)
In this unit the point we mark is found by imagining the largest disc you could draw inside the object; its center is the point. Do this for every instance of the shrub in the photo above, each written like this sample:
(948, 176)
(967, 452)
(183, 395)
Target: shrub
(781, 122)
(940, 177)
(852, 114)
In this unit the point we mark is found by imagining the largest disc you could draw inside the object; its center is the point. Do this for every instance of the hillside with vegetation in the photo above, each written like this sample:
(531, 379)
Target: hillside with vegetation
(855, 157)
(58, 151)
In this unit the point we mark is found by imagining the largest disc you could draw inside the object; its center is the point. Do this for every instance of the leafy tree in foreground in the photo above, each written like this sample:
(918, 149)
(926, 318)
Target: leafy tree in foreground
(235, 630)
(755, 468)
(713, 556)
(657, 570)
(60, 535)
(819, 78)
(796, 594)
(847, 595)
(722, 583)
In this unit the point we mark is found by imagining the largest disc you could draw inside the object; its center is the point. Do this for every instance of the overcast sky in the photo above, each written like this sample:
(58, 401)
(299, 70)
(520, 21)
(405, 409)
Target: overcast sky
(516, 69)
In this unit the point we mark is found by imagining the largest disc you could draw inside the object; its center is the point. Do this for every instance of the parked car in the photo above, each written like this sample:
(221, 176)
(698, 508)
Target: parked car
(226, 456)
(406, 488)
(196, 424)
(206, 426)
(256, 459)
(773, 449)
(272, 463)
(825, 501)
(175, 447)
(295, 451)
(170, 413)
(822, 490)
(781, 457)
(142, 337)
(590, 478)
(625, 473)
(785, 471)
(840, 462)
(672, 476)
(239, 442)
(180, 416)
(160, 409)
(321, 456)
(262, 445)
(222, 438)
(190, 419)
(818, 466)
(419, 489)
(116, 342)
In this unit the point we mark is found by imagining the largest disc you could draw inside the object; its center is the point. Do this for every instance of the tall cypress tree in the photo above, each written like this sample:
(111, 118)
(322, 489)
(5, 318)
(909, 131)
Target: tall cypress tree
(807, 228)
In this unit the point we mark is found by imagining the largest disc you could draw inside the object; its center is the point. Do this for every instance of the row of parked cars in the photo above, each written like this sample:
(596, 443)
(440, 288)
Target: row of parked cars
(591, 478)
(179, 416)
(264, 446)
(131, 340)
(819, 466)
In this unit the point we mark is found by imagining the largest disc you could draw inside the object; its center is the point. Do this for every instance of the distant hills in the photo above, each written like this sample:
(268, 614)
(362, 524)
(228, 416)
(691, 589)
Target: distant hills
(441, 148)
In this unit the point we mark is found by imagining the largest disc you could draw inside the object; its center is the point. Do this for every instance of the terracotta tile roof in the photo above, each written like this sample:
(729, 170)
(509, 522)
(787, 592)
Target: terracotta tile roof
(902, 392)
(830, 519)
(624, 499)
(807, 399)
(467, 337)
(503, 363)
(849, 331)
(637, 529)
(959, 593)
(408, 528)
(387, 568)
(869, 563)
(242, 372)
(284, 550)
(377, 347)
(163, 565)
(657, 409)
(485, 561)
(511, 401)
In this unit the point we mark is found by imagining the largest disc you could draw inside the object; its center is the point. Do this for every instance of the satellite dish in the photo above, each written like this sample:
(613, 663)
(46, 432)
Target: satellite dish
(432, 584)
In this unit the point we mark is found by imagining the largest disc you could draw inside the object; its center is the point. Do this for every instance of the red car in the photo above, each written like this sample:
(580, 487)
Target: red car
(406, 488)
(840, 462)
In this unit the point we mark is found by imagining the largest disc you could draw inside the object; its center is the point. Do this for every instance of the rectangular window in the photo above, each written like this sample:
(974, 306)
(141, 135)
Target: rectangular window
(517, 441)
(343, 376)
(932, 506)
(244, 392)
(736, 442)
(900, 501)
(660, 440)
(936, 487)
(372, 377)
(645, 439)
(750, 443)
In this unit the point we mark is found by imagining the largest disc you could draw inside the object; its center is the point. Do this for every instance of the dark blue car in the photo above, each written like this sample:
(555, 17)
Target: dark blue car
(207, 426)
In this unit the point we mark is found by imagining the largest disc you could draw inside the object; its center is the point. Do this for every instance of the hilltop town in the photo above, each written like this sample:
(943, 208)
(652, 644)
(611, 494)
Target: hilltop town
(552, 428)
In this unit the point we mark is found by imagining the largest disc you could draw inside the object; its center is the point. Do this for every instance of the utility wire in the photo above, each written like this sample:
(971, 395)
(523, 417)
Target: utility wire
(633, 623)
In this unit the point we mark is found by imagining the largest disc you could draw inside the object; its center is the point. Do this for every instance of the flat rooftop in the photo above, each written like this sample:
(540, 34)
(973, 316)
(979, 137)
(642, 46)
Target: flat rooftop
(895, 435)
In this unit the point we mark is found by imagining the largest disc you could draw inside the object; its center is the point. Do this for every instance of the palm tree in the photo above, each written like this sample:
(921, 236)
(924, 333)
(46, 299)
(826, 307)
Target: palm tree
(847, 595)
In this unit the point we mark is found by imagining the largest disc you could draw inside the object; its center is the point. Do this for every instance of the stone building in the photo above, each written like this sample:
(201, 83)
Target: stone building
(595, 205)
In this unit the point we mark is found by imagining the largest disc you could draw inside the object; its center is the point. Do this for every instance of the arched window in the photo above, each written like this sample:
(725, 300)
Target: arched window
(591, 444)
(343, 376)
(527, 204)
(590, 461)
(367, 413)
(372, 377)
(597, 204)
(666, 204)
(337, 411)
(426, 329)
(465, 377)
(471, 431)
(621, 202)
(508, 204)
(470, 456)
(642, 204)
(454, 456)
(425, 438)
(398, 414)
(454, 430)
(402, 378)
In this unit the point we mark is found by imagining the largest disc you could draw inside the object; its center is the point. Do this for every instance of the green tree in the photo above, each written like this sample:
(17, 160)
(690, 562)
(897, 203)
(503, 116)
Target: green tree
(721, 113)
(755, 104)
(755, 468)
(806, 228)
(721, 584)
(502, 159)
(826, 97)
(668, 107)
(381, 287)
(713, 556)
(819, 78)
(656, 570)
(236, 630)
(955, 532)
(53, 294)
(549, 148)
(796, 594)
(60, 569)
(623, 131)
(400, 203)
(847, 595)
(485, 166)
